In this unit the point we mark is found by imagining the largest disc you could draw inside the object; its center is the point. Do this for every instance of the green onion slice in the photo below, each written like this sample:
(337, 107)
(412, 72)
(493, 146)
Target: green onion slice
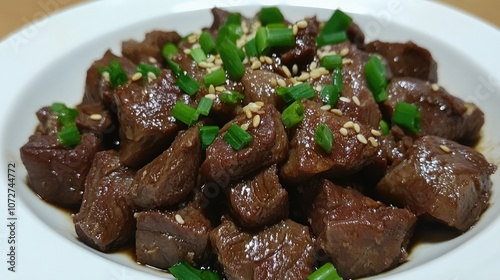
(337, 79)
(185, 113)
(69, 136)
(184, 271)
(231, 97)
(207, 43)
(188, 84)
(331, 61)
(117, 75)
(205, 106)
(267, 38)
(284, 93)
(169, 50)
(237, 137)
(176, 68)
(215, 78)
(331, 38)
(144, 68)
(208, 133)
(230, 55)
(251, 48)
(198, 55)
(293, 114)
(375, 74)
(325, 272)
(269, 15)
(324, 138)
(301, 91)
(408, 116)
(330, 95)
(384, 127)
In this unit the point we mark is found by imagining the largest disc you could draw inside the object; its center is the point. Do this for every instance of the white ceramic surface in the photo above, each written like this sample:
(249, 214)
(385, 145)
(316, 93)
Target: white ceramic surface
(47, 61)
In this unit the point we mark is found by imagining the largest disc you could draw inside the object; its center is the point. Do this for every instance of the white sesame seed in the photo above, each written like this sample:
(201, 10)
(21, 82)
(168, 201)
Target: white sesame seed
(356, 100)
(313, 65)
(303, 77)
(373, 141)
(344, 99)
(105, 76)
(281, 83)
(336, 112)
(211, 89)
(435, 87)
(326, 107)
(316, 73)
(256, 121)
(357, 128)
(445, 148)
(253, 58)
(187, 51)
(295, 29)
(245, 126)
(295, 69)
(346, 61)
(210, 58)
(318, 88)
(302, 24)
(248, 113)
(268, 60)
(210, 96)
(256, 65)
(344, 52)
(286, 71)
(348, 124)
(216, 67)
(361, 138)
(151, 76)
(137, 76)
(218, 61)
(179, 219)
(96, 117)
(204, 64)
(192, 38)
(376, 133)
(259, 103)
(220, 88)
(274, 83)
(343, 131)
(152, 60)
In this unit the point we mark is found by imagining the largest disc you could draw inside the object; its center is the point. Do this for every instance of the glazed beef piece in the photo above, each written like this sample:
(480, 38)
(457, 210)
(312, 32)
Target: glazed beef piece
(258, 87)
(269, 146)
(259, 200)
(441, 180)
(406, 59)
(360, 236)
(106, 217)
(442, 114)
(356, 35)
(166, 238)
(149, 50)
(48, 123)
(171, 176)
(282, 251)
(308, 160)
(147, 126)
(305, 47)
(97, 88)
(57, 173)
(96, 119)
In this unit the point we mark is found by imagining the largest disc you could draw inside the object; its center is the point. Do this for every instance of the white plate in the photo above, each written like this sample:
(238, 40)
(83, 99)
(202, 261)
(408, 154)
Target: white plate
(47, 62)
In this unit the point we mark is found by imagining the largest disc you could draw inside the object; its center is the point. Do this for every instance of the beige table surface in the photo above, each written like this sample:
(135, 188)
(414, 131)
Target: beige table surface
(15, 14)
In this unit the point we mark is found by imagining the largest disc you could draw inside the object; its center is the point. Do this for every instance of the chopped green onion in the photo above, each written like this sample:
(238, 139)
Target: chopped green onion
(267, 38)
(375, 74)
(301, 91)
(276, 25)
(233, 18)
(334, 30)
(261, 41)
(144, 68)
(69, 136)
(331, 61)
(330, 95)
(215, 78)
(331, 38)
(188, 84)
(65, 116)
(384, 127)
(231, 30)
(231, 97)
(169, 50)
(293, 114)
(185, 113)
(230, 55)
(284, 93)
(205, 106)
(176, 68)
(337, 79)
(325, 272)
(237, 137)
(184, 271)
(208, 133)
(58, 108)
(198, 55)
(408, 116)
(207, 43)
(324, 138)
(269, 15)
(117, 76)
(251, 48)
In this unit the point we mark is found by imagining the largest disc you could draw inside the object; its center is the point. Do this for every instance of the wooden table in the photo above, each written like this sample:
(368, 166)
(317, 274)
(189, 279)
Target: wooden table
(15, 14)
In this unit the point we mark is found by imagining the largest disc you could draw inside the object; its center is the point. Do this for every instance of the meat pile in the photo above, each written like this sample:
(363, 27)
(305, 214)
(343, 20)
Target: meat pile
(281, 206)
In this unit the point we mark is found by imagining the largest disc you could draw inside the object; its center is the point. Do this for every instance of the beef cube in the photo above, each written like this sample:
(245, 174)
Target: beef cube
(258, 87)
(171, 176)
(106, 217)
(269, 146)
(94, 118)
(147, 126)
(57, 173)
(305, 47)
(442, 114)
(356, 35)
(307, 159)
(361, 237)
(166, 238)
(441, 180)
(259, 200)
(282, 251)
(97, 89)
(48, 122)
(406, 59)
(149, 51)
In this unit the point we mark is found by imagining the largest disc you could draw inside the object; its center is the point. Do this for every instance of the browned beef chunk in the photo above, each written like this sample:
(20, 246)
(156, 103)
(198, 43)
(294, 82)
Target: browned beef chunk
(56, 173)
(406, 59)
(147, 126)
(259, 200)
(48, 122)
(149, 50)
(106, 217)
(94, 118)
(356, 35)
(305, 47)
(166, 238)
(269, 146)
(282, 251)
(172, 175)
(442, 180)
(307, 159)
(443, 115)
(97, 89)
(258, 87)
(361, 236)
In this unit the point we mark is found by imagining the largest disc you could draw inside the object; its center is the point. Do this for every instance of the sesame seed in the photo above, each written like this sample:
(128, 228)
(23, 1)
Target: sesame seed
(211, 89)
(210, 96)
(361, 138)
(346, 61)
(96, 117)
(256, 65)
(295, 69)
(268, 60)
(248, 113)
(348, 124)
(204, 64)
(294, 81)
(373, 141)
(302, 24)
(210, 58)
(137, 76)
(152, 60)
(274, 83)
(105, 76)
(151, 76)
(295, 29)
(220, 88)
(286, 71)
(303, 77)
(313, 65)
(316, 73)
(218, 61)
(179, 219)
(187, 51)
(326, 107)
(435, 87)
(343, 131)
(244, 126)
(281, 83)
(260, 103)
(336, 112)
(318, 88)
(357, 128)
(445, 148)
(356, 100)
(253, 58)
(376, 133)
(344, 99)
(192, 38)
(212, 69)
(256, 121)
(344, 52)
